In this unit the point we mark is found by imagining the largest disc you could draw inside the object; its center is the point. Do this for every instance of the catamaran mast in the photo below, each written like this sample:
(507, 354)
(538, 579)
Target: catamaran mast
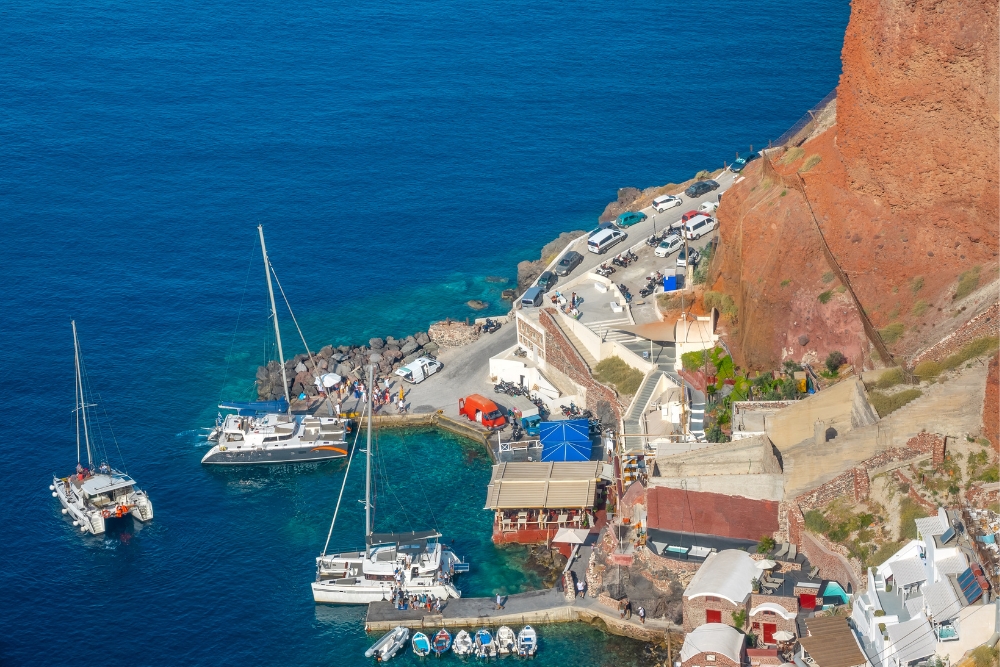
(368, 456)
(82, 401)
(274, 316)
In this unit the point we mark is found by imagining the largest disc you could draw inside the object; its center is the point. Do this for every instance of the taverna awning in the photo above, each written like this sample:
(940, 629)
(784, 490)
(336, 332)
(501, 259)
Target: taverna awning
(536, 485)
(571, 535)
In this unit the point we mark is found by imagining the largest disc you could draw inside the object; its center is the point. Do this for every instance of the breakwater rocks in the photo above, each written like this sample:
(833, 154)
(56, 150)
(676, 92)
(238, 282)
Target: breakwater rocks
(344, 360)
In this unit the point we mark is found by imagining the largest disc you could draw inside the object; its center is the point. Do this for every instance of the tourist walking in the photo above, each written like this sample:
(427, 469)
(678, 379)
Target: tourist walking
(642, 615)
(499, 601)
(621, 609)
(581, 588)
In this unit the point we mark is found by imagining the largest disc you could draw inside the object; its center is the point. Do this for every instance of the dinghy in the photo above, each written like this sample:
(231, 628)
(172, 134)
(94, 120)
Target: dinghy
(389, 645)
(506, 641)
(527, 642)
(485, 646)
(442, 642)
(421, 644)
(463, 644)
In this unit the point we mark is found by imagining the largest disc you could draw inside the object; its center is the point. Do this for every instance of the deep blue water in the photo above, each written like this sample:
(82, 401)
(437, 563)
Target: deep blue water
(397, 154)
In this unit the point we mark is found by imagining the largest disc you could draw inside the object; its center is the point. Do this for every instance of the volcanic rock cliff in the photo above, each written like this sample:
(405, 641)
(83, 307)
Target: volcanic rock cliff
(869, 236)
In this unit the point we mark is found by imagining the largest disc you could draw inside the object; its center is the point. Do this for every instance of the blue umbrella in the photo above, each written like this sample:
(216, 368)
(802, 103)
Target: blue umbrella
(566, 451)
(569, 430)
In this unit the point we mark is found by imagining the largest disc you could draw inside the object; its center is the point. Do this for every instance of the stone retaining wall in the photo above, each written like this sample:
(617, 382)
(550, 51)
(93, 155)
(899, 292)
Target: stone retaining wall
(986, 323)
(450, 333)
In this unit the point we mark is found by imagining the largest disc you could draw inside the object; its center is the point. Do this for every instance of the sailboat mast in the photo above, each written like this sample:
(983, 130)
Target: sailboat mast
(76, 391)
(368, 456)
(274, 316)
(82, 407)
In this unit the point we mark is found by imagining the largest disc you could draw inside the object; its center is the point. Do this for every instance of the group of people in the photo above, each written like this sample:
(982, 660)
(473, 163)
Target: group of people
(382, 395)
(403, 601)
(625, 611)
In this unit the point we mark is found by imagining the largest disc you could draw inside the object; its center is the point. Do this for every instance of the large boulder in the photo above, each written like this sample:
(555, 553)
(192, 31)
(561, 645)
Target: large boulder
(409, 347)
(431, 347)
(421, 337)
(262, 373)
(326, 351)
(390, 341)
(376, 343)
(301, 367)
(343, 369)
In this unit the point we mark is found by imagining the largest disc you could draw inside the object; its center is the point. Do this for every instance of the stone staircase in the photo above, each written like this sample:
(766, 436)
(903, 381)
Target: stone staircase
(588, 358)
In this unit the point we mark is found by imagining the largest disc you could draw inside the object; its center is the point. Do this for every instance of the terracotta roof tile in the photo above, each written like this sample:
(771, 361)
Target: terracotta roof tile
(711, 513)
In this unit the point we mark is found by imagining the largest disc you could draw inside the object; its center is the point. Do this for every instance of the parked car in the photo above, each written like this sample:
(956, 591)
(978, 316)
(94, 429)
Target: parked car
(714, 185)
(668, 245)
(665, 202)
(419, 369)
(682, 258)
(569, 262)
(698, 189)
(709, 207)
(684, 218)
(742, 162)
(629, 218)
(601, 242)
(547, 280)
(698, 226)
(532, 297)
(604, 226)
(481, 409)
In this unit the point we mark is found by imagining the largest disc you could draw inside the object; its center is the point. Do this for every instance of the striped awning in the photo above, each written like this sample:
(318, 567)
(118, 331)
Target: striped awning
(537, 485)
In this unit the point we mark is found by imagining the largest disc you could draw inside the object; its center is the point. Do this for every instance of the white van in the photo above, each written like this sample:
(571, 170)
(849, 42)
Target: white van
(698, 226)
(417, 370)
(663, 202)
(601, 241)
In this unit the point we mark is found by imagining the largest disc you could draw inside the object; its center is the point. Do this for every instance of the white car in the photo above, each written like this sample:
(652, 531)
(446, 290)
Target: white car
(669, 245)
(419, 369)
(709, 207)
(665, 202)
(698, 226)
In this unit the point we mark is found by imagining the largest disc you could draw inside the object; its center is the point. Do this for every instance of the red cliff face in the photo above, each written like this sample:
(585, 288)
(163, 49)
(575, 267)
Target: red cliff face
(887, 208)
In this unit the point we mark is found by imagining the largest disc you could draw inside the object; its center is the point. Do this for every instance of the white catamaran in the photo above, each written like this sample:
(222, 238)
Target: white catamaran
(94, 497)
(266, 431)
(414, 562)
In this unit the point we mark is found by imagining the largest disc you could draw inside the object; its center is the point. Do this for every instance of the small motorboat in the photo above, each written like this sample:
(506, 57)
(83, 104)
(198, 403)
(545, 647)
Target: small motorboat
(527, 642)
(506, 640)
(485, 646)
(421, 644)
(463, 644)
(389, 645)
(442, 642)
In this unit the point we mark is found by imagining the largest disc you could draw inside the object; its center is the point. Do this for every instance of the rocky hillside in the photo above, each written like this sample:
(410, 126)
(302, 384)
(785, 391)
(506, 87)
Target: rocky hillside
(882, 227)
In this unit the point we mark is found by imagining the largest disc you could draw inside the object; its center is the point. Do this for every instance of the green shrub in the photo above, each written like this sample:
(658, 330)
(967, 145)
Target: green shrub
(890, 378)
(835, 360)
(909, 512)
(891, 333)
(816, 522)
(828, 277)
(786, 282)
(928, 370)
(917, 284)
(668, 301)
(723, 302)
(967, 283)
(810, 162)
(824, 297)
(974, 349)
(984, 656)
(617, 373)
(885, 404)
(693, 361)
(766, 544)
(783, 193)
(792, 154)
(703, 175)
(919, 308)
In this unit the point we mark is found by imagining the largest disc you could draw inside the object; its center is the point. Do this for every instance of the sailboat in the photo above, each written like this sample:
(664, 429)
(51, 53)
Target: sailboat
(266, 431)
(414, 562)
(92, 496)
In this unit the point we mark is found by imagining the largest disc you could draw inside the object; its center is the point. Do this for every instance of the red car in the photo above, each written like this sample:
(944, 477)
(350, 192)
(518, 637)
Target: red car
(684, 218)
(481, 409)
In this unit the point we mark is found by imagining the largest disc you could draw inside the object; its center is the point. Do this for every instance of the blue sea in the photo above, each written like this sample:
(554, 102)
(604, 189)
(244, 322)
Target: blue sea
(397, 154)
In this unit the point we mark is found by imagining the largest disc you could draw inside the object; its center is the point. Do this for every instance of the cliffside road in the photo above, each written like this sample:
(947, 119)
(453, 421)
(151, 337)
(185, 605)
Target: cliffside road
(637, 235)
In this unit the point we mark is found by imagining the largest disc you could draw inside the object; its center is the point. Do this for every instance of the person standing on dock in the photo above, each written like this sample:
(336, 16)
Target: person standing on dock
(642, 615)
(499, 602)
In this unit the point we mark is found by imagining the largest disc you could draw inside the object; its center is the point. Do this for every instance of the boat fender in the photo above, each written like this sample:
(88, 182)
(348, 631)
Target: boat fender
(106, 514)
(55, 495)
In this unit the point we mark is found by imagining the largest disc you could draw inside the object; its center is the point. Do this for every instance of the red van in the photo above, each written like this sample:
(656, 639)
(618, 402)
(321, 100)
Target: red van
(481, 409)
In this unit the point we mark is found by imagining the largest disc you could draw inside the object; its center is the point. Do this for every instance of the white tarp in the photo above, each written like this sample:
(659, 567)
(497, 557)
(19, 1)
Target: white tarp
(329, 380)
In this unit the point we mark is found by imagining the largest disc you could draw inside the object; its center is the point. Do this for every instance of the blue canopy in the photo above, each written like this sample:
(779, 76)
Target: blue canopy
(568, 430)
(567, 440)
(566, 451)
(249, 408)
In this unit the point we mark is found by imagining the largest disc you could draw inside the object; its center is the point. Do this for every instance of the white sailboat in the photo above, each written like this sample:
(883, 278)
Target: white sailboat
(92, 497)
(266, 432)
(414, 562)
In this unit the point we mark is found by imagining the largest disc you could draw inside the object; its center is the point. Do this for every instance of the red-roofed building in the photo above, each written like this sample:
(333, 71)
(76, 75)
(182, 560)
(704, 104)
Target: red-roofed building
(710, 513)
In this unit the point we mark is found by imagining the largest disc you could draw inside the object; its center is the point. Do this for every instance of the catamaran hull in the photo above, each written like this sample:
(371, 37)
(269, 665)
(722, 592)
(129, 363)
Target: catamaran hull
(330, 592)
(242, 457)
(94, 522)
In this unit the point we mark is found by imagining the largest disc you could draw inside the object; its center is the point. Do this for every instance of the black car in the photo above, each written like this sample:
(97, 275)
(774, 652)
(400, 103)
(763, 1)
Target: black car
(569, 262)
(700, 188)
(547, 281)
(742, 162)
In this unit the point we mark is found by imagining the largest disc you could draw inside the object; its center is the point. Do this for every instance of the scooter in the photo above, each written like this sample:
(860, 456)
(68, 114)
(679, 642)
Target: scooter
(653, 241)
(631, 256)
(490, 325)
(605, 270)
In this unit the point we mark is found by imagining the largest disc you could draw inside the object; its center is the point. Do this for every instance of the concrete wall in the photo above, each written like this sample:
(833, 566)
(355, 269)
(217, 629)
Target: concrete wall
(755, 487)
(796, 422)
(695, 609)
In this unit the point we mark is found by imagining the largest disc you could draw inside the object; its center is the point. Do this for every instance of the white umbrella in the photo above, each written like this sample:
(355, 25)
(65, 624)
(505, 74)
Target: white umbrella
(330, 379)
(783, 636)
(571, 535)
(766, 564)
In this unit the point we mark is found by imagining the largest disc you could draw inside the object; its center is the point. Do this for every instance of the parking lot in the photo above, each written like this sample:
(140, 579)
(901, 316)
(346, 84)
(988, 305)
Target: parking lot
(598, 314)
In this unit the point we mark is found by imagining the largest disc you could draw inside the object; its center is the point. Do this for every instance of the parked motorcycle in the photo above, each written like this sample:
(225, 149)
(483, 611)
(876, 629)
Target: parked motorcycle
(605, 270)
(653, 241)
(490, 325)
(625, 293)
(632, 257)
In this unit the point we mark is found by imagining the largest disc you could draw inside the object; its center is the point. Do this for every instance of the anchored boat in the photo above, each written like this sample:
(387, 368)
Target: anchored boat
(463, 645)
(389, 645)
(442, 642)
(421, 644)
(506, 640)
(92, 496)
(527, 642)
(266, 431)
(390, 563)
(486, 647)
